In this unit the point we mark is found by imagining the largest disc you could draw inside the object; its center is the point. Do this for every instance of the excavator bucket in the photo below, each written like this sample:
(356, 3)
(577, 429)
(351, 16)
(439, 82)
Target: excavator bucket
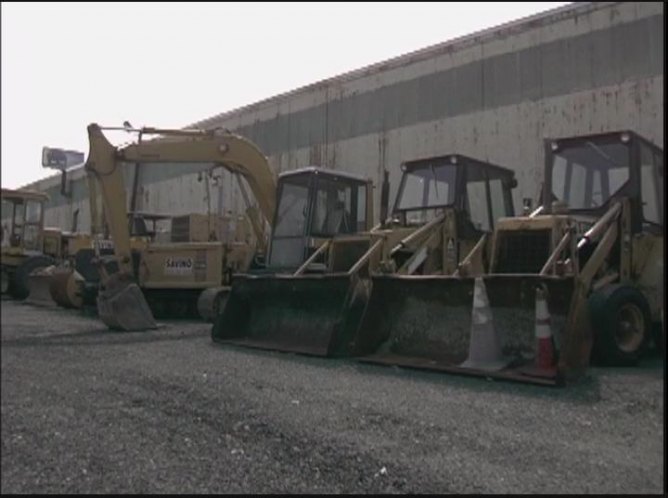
(484, 326)
(66, 288)
(39, 282)
(122, 306)
(309, 314)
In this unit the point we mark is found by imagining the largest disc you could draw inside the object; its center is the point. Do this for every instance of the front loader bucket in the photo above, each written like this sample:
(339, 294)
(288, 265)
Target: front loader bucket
(39, 281)
(122, 306)
(310, 314)
(429, 322)
(66, 288)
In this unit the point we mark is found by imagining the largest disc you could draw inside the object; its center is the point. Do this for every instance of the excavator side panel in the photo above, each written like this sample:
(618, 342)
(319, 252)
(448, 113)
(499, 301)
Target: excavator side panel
(426, 321)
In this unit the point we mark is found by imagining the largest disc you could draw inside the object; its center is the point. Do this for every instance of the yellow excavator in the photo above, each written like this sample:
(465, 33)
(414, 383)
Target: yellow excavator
(168, 274)
(579, 279)
(444, 205)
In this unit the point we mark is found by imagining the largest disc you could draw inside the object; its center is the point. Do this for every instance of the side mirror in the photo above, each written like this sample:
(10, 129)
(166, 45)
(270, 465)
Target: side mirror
(61, 159)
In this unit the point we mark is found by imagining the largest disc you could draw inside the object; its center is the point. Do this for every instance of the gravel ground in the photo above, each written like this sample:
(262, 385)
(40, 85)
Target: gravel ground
(85, 410)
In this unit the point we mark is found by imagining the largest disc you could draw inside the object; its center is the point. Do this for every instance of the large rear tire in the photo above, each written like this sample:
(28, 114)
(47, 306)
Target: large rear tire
(621, 323)
(19, 286)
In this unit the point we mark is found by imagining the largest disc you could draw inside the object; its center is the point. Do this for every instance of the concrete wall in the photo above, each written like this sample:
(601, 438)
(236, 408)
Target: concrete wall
(495, 95)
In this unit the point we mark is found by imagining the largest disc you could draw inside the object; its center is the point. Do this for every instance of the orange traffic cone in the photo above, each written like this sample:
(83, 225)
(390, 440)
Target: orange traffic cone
(545, 364)
(484, 345)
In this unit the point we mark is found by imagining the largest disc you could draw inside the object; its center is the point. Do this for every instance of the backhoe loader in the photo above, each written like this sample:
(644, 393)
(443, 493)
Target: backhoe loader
(26, 244)
(315, 234)
(168, 275)
(576, 279)
(444, 205)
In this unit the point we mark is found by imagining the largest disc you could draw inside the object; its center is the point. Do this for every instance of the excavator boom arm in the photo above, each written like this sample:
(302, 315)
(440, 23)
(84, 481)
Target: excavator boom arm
(231, 151)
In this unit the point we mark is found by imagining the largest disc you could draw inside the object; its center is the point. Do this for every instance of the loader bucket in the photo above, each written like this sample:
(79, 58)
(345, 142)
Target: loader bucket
(122, 306)
(39, 282)
(66, 288)
(309, 314)
(426, 322)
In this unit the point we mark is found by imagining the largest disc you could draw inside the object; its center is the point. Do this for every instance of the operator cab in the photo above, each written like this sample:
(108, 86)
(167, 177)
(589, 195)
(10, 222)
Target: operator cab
(481, 190)
(23, 219)
(316, 203)
(586, 174)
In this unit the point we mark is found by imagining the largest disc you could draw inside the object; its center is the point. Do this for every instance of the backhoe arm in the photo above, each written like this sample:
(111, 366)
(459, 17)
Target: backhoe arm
(96, 221)
(102, 164)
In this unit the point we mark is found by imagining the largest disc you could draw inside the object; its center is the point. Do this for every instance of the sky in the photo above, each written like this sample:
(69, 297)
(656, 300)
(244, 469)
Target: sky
(169, 65)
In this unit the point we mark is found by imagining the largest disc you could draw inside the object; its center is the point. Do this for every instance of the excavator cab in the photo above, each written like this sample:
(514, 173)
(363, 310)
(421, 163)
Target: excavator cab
(580, 274)
(159, 276)
(445, 205)
(314, 204)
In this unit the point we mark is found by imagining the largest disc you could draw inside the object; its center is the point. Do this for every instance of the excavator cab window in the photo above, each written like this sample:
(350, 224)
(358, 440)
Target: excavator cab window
(18, 220)
(586, 174)
(651, 184)
(314, 204)
(290, 226)
(23, 222)
(425, 186)
(488, 195)
(428, 186)
(32, 228)
(332, 208)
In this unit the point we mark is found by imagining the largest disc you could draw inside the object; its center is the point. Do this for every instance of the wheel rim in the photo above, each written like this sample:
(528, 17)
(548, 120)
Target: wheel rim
(630, 328)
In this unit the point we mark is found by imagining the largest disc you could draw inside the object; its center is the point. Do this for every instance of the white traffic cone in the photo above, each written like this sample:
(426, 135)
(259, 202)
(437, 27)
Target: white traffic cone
(545, 364)
(484, 345)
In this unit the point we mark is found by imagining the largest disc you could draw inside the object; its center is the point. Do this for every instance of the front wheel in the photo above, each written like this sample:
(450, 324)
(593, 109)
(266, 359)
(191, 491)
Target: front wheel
(621, 324)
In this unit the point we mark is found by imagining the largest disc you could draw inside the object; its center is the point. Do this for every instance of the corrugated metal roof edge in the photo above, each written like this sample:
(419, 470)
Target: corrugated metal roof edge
(540, 19)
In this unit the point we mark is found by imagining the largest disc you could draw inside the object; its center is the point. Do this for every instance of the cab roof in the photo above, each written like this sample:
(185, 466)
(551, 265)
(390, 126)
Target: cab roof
(23, 195)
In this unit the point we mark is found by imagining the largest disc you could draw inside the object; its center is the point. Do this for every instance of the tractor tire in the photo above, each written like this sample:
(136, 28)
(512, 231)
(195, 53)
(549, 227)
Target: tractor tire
(19, 285)
(621, 323)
